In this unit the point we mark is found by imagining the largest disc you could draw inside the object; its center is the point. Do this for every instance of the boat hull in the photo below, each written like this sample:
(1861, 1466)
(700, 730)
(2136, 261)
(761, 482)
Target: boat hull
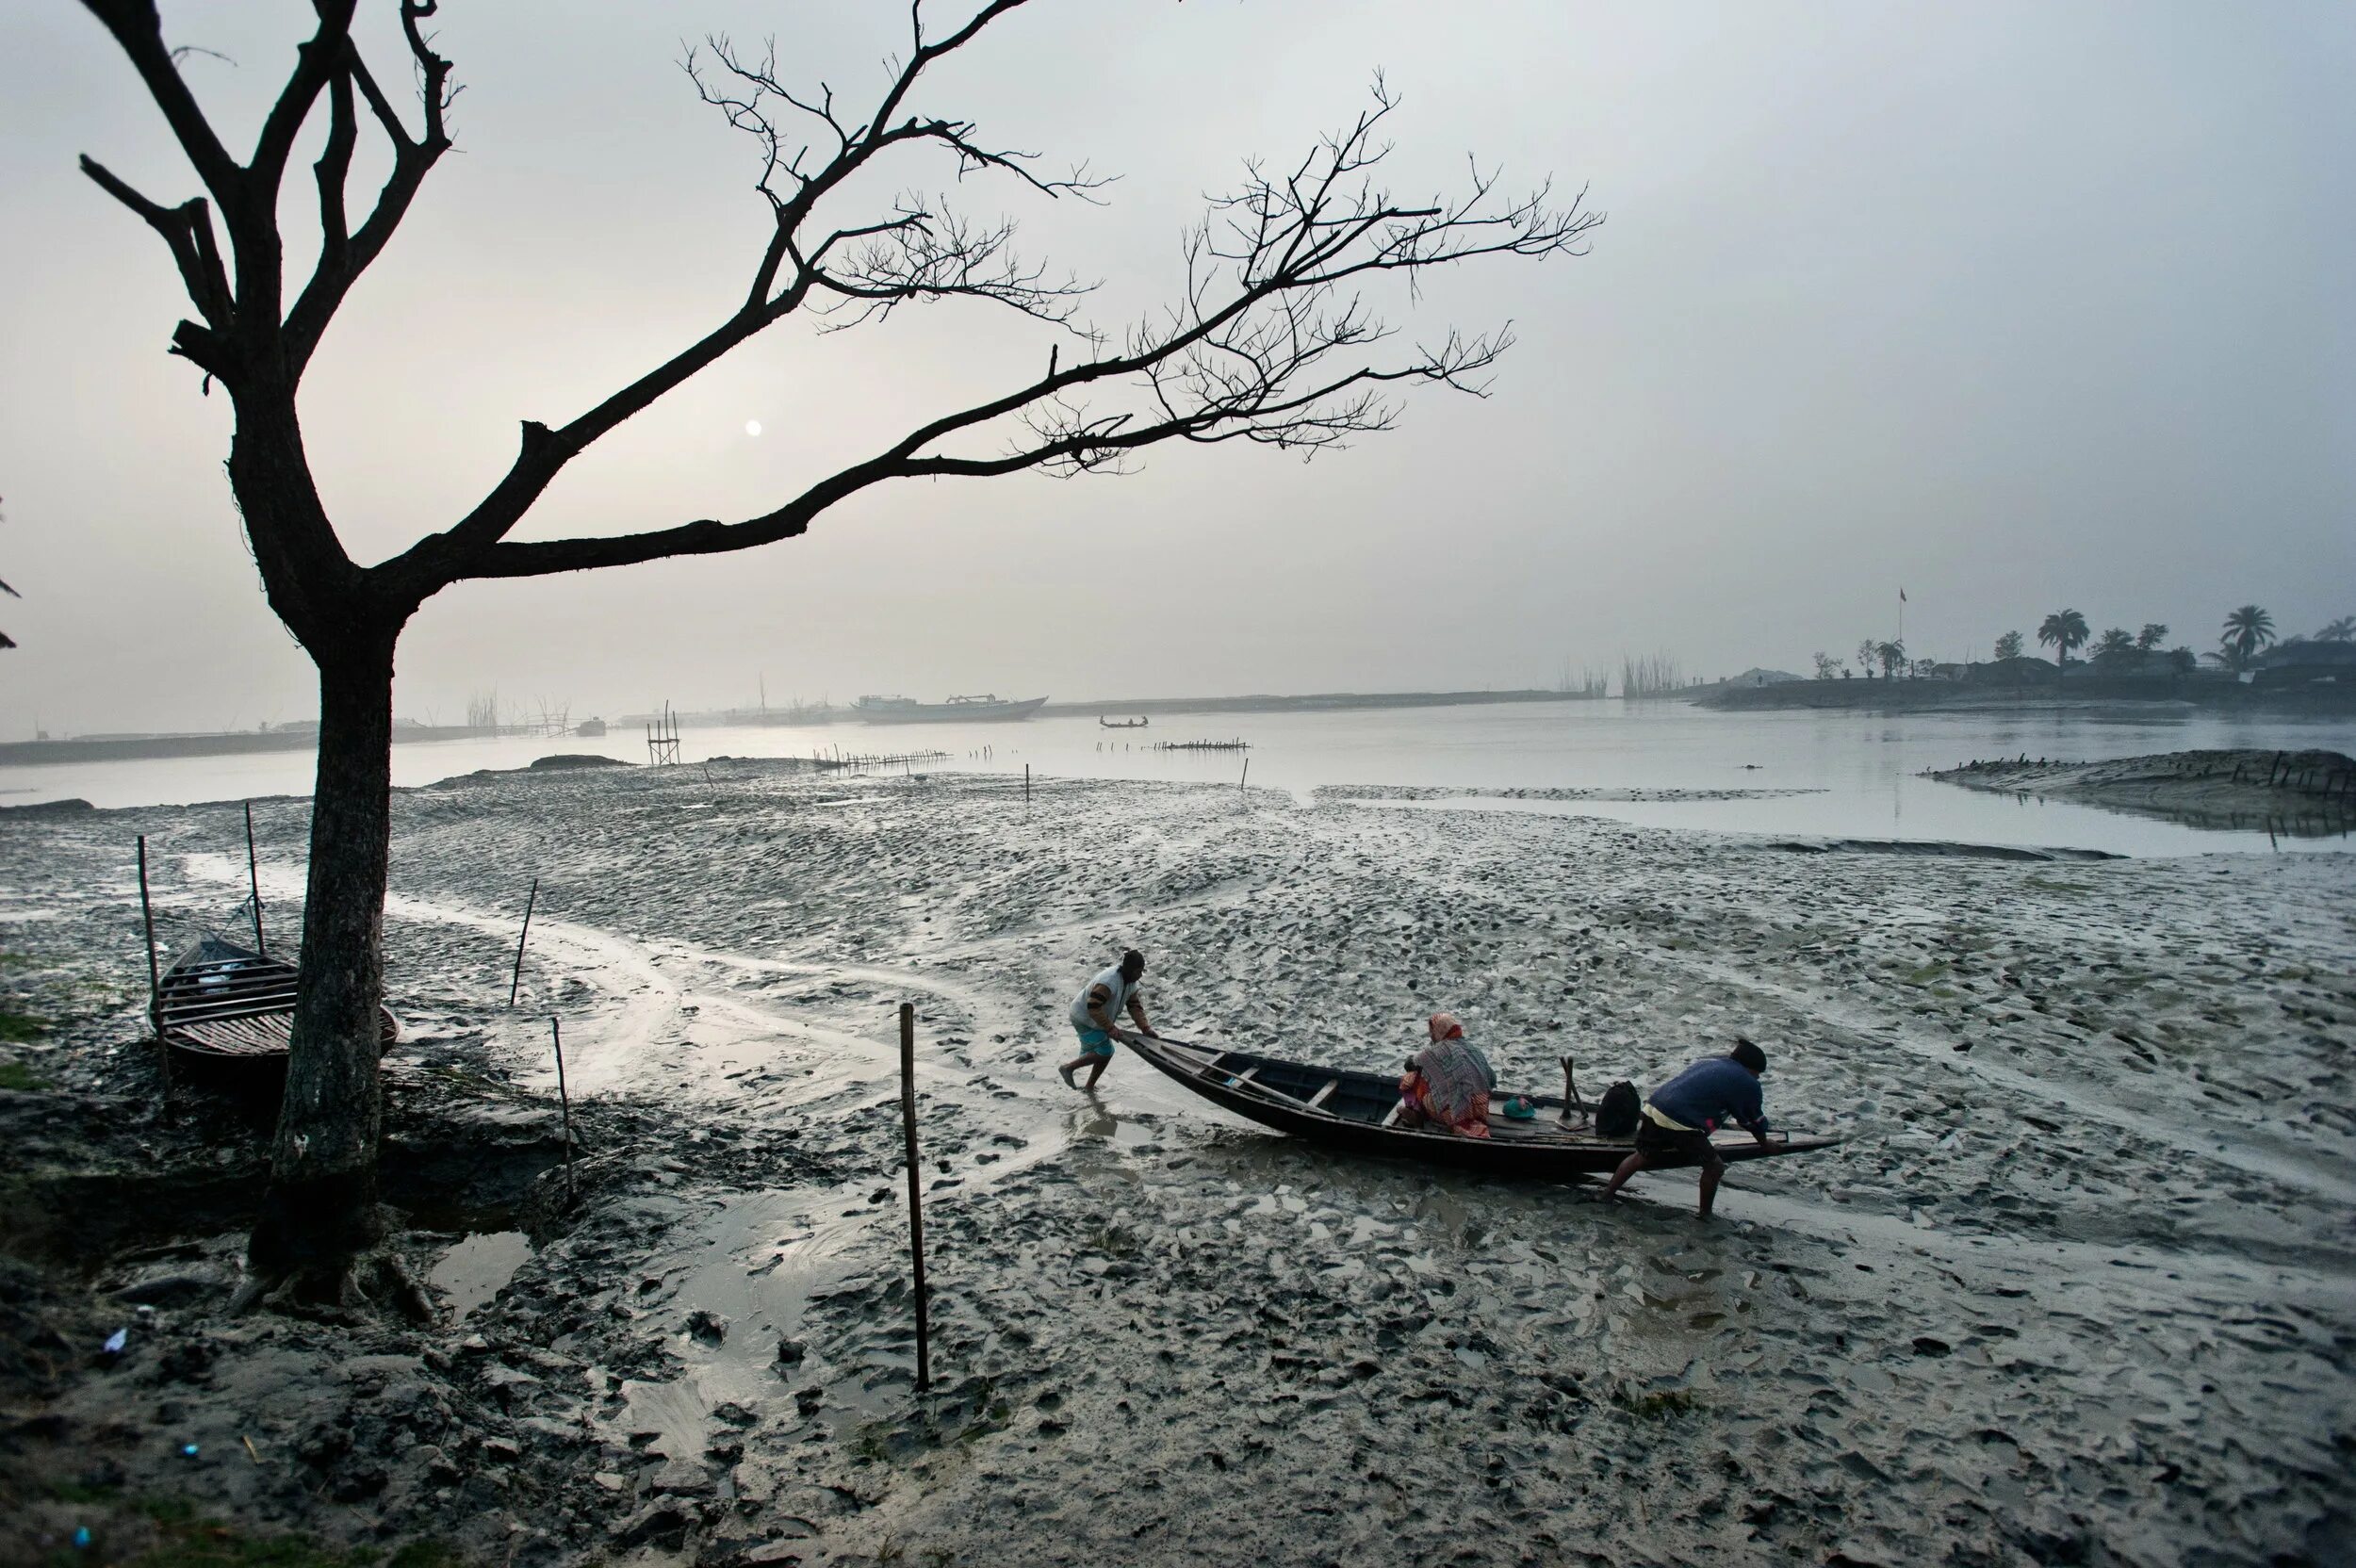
(1285, 1096)
(225, 1016)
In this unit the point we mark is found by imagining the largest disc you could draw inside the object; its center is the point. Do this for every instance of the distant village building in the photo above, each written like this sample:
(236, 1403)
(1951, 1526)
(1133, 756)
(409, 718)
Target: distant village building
(2304, 664)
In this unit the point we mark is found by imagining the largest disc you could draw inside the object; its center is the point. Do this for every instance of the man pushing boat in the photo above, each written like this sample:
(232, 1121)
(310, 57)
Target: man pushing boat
(1682, 1113)
(1094, 1013)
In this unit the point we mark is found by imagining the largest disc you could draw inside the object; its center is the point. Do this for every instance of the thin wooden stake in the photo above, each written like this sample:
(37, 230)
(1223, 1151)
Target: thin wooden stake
(253, 880)
(565, 1103)
(1241, 793)
(916, 1200)
(147, 918)
(1027, 783)
(513, 984)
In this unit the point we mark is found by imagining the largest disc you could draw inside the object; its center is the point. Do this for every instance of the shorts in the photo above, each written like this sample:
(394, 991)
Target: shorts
(1658, 1143)
(1094, 1042)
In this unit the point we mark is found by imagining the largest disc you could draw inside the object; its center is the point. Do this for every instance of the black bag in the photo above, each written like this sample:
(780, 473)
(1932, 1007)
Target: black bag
(1616, 1116)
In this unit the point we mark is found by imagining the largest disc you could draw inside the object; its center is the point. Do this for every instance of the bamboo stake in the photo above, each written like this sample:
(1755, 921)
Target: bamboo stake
(1240, 793)
(147, 917)
(565, 1103)
(253, 880)
(916, 1200)
(1027, 783)
(519, 980)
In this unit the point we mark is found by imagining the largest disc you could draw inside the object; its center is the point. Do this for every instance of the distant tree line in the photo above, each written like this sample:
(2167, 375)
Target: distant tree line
(2247, 631)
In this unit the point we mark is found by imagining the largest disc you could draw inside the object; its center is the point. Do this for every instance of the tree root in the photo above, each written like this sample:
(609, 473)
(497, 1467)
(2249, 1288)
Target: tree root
(350, 1292)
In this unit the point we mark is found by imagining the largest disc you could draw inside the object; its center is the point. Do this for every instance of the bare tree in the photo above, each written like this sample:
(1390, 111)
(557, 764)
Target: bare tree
(1269, 340)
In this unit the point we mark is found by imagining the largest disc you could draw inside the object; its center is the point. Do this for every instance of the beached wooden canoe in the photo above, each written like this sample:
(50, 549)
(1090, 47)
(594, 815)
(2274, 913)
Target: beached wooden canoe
(227, 1012)
(1352, 1111)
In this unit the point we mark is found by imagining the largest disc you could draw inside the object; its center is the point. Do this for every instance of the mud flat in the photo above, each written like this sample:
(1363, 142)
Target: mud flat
(2082, 1288)
(2303, 794)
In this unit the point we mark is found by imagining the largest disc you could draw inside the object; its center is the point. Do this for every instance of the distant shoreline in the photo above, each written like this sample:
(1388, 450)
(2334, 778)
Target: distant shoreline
(128, 748)
(2206, 697)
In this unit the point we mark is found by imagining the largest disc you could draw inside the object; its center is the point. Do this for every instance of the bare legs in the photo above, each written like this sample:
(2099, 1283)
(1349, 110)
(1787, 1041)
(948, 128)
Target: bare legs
(1094, 1063)
(1713, 1170)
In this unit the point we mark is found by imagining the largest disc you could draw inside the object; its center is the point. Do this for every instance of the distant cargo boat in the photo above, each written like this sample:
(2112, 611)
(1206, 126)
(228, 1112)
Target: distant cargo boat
(955, 711)
(591, 729)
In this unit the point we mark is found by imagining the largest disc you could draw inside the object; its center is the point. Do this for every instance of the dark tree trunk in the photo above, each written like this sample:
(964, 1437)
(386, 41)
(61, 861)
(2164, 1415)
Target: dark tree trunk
(320, 1210)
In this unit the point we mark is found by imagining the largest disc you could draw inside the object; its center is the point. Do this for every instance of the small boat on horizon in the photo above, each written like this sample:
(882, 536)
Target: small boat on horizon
(1137, 723)
(1354, 1112)
(986, 709)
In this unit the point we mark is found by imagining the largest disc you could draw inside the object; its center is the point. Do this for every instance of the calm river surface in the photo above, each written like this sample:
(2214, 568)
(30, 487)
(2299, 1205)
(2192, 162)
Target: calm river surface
(1860, 766)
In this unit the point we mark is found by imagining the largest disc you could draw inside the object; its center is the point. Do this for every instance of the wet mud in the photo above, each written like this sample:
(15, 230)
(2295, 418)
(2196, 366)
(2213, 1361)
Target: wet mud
(2078, 1289)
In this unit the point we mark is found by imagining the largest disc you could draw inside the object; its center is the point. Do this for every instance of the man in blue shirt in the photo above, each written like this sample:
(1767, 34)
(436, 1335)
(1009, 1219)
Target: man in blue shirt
(1683, 1112)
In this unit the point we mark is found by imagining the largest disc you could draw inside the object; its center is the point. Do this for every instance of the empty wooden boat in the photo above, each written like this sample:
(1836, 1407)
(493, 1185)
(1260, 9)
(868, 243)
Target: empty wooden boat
(227, 1012)
(1355, 1112)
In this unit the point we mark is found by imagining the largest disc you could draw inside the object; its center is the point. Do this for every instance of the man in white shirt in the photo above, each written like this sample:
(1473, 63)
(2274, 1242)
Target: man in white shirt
(1094, 1010)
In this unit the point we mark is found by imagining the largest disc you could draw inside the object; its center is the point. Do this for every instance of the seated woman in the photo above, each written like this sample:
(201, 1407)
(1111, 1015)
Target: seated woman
(1447, 1084)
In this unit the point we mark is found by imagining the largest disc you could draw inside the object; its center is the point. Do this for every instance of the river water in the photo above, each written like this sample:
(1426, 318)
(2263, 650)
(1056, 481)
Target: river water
(1859, 768)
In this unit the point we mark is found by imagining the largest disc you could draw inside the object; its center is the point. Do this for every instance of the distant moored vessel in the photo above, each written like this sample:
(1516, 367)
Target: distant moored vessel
(956, 710)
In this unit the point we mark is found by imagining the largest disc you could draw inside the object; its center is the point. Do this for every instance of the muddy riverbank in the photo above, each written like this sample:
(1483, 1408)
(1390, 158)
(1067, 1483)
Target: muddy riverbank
(2078, 1289)
(2309, 793)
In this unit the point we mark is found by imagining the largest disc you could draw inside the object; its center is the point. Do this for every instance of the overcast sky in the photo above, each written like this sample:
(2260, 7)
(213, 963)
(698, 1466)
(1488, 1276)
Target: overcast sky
(2018, 305)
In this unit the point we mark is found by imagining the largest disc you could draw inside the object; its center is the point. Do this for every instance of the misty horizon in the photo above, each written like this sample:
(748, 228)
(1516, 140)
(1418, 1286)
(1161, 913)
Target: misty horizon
(2016, 309)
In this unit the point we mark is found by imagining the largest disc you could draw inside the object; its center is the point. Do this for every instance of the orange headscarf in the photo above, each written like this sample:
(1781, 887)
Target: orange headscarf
(1446, 1026)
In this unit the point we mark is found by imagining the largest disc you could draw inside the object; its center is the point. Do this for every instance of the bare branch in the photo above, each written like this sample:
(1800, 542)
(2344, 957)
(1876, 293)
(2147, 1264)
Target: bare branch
(188, 230)
(139, 32)
(1270, 340)
(343, 260)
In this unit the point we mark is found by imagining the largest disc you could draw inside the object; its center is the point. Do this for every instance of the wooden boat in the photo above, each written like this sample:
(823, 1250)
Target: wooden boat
(227, 1012)
(1355, 1112)
(1137, 723)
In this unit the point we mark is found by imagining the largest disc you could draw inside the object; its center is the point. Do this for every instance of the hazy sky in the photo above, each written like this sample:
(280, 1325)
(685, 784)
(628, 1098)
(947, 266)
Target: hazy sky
(2021, 306)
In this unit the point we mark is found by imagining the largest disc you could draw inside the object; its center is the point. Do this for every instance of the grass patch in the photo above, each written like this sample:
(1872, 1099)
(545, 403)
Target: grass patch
(16, 1075)
(21, 1028)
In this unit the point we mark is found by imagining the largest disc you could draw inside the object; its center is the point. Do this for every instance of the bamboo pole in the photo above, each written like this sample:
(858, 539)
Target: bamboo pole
(1241, 793)
(916, 1200)
(1027, 783)
(147, 919)
(565, 1104)
(513, 984)
(253, 880)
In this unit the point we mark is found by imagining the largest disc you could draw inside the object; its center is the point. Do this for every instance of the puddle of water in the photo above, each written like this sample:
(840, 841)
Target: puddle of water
(471, 1272)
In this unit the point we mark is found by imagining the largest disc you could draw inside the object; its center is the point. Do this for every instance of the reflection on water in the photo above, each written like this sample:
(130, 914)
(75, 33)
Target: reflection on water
(1862, 766)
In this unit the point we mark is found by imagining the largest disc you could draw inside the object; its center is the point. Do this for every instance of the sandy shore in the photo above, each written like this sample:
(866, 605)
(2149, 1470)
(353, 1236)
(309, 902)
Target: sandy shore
(2081, 1289)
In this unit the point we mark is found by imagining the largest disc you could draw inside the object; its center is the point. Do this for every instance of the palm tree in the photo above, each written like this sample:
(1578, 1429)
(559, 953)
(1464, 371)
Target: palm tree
(2063, 631)
(1893, 657)
(2114, 643)
(2008, 646)
(2150, 637)
(2341, 631)
(2247, 630)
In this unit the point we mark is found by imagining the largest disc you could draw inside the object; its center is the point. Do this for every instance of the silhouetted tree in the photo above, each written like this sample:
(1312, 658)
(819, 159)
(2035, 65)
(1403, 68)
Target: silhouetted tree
(2062, 630)
(1827, 667)
(1866, 653)
(2114, 644)
(1269, 340)
(2150, 637)
(2247, 630)
(1893, 657)
(2341, 631)
(2008, 646)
